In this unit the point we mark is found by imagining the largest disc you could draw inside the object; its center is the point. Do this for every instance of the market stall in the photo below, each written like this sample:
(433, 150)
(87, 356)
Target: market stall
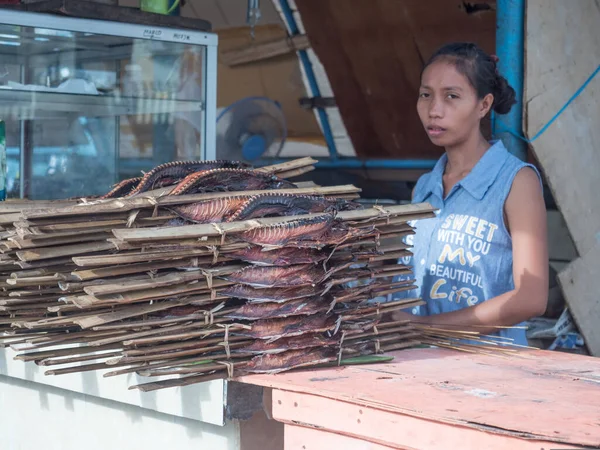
(155, 312)
(436, 398)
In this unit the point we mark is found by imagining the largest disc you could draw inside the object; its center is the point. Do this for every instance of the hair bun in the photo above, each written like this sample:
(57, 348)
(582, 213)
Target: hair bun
(504, 96)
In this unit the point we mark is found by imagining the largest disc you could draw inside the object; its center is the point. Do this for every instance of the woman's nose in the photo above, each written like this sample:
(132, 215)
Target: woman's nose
(435, 108)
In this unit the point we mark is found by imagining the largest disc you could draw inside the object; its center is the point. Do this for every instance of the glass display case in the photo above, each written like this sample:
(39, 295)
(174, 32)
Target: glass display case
(88, 102)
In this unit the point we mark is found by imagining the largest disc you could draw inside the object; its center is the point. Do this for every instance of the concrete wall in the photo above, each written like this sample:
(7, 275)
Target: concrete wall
(40, 417)
(87, 411)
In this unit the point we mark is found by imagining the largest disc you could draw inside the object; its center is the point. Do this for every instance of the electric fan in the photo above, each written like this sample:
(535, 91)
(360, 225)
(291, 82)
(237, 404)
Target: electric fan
(250, 129)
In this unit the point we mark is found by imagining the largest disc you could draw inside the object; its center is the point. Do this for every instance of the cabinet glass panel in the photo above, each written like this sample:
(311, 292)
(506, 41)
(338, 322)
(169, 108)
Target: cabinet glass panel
(84, 110)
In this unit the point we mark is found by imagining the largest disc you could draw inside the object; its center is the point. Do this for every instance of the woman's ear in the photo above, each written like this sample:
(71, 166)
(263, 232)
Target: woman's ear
(485, 105)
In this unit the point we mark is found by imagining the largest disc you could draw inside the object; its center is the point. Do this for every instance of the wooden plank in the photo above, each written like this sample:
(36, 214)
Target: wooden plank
(148, 284)
(302, 438)
(144, 295)
(130, 204)
(579, 282)
(104, 272)
(85, 237)
(16, 206)
(552, 400)
(560, 244)
(93, 10)
(341, 425)
(124, 313)
(133, 258)
(373, 53)
(63, 250)
(264, 50)
(207, 230)
(552, 78)
(9, 218)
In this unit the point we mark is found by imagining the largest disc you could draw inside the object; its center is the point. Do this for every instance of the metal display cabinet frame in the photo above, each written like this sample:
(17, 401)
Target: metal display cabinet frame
(27, 106)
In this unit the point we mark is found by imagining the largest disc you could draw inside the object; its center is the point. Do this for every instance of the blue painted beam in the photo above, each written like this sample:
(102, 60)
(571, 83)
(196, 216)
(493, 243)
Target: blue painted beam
(510, 48)
(312, 79)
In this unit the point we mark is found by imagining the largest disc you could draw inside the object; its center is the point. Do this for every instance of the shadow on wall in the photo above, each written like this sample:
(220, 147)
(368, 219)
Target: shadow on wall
(191, 402)
(3, 368)
(74, 400)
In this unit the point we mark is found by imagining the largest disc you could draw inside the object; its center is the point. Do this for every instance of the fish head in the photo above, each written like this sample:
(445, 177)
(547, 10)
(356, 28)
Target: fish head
(347, 205)
(279, 183)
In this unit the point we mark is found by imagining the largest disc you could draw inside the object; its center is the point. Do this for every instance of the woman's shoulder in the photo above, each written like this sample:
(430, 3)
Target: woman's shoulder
(422, 187)
(519, 174)
(526, 183)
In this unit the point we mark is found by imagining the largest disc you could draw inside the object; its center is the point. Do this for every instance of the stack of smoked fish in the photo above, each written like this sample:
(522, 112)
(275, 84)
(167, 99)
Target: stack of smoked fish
(202, 270)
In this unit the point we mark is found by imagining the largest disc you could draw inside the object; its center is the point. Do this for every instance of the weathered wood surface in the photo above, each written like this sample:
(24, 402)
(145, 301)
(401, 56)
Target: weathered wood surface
(405, 213)
(539, 396)
(579, 281)
(93, 10)
(562, 51)
(373, 52)
(263, 51)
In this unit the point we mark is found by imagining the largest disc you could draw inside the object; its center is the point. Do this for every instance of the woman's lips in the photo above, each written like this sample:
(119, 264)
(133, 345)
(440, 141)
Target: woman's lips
(434, 131)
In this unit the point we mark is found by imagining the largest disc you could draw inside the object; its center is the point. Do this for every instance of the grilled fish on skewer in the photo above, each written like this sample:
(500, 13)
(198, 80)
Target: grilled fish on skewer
(261, 346)
(123, 188)
(276, 295)
(273, 276)
(223, 180)
(216, 210)
(299, 307)
(292, 359)
(173, 172)
(286, 233)
(284, 256)
(289, 205)
(289, 326)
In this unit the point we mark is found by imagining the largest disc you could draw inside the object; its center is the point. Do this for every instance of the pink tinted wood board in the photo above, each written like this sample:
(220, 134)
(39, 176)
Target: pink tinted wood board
(545, 395)
(301, 438)
(373, 426)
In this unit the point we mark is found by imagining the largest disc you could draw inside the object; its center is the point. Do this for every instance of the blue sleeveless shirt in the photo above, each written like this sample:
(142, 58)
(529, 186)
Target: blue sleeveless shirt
(463, 256)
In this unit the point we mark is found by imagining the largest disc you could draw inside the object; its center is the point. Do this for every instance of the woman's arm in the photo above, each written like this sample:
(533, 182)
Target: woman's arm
(526, 219)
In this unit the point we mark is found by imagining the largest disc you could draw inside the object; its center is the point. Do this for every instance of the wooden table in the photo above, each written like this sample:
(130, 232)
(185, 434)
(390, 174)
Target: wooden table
(442, 399)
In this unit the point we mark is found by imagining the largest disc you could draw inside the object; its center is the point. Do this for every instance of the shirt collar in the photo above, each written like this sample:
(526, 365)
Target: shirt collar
(481, 177)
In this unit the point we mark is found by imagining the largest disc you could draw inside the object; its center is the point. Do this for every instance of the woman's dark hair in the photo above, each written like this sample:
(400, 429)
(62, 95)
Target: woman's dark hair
(481, 71)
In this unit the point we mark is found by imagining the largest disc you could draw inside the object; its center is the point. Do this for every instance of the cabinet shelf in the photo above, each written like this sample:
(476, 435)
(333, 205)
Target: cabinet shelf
(31, 105)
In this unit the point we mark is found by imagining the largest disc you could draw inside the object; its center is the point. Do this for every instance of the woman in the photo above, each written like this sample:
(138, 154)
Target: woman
(482, 262)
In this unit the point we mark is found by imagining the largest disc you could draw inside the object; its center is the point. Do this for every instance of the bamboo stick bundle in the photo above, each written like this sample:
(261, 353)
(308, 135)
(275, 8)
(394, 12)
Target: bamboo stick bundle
(245, 273)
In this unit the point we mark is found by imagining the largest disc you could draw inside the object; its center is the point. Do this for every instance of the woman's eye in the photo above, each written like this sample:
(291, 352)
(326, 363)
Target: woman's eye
(423, 95)
(452, 96)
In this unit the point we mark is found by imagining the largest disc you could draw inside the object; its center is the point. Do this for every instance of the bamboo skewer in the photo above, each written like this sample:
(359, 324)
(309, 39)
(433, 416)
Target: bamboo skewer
(137, 294)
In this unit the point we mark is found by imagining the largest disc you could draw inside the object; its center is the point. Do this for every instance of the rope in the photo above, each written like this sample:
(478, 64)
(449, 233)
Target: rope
(341, 349)
(221, 232)
(377, 346)
(208, 317)
(225, 342)
(209, 278)
(229, 367)
(556, 116)
(215, 250)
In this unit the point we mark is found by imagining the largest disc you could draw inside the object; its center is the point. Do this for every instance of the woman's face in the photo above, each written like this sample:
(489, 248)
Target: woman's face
(448, 105)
